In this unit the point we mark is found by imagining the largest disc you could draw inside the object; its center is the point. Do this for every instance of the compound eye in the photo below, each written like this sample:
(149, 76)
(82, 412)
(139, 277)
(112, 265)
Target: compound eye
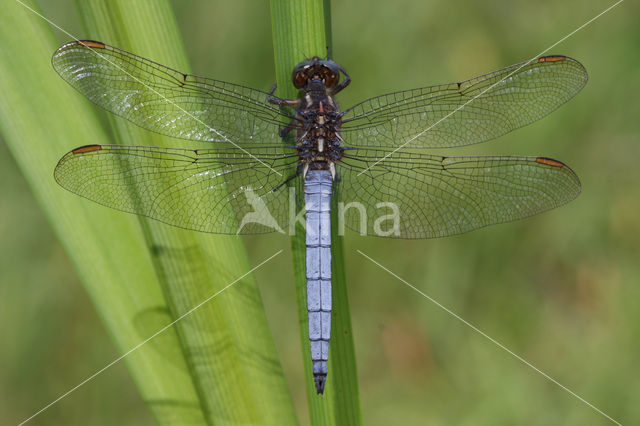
(331, 79)
(300, 74)
(299, 79)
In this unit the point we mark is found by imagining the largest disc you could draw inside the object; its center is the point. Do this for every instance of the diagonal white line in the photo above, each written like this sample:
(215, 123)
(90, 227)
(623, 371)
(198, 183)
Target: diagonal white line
(136, 347)
(492, 340)
(492, 86)
(153, 90)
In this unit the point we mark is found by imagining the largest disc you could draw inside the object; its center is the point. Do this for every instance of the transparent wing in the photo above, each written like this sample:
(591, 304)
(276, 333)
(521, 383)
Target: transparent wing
(210, 190)
(437, 196)
(167, 101)
(487, 107)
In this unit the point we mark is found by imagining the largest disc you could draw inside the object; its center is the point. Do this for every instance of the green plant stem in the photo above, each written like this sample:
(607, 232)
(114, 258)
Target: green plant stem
(299, 31)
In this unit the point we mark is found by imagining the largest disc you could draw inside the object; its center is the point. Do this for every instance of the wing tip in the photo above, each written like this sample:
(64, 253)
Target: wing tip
(73, 45)
(552, 58)
(86, 148)
(91, 43)
(550, 162)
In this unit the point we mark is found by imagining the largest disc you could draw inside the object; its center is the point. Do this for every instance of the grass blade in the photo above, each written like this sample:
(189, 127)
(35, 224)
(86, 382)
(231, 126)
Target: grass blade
(300, 31)
(219, 365)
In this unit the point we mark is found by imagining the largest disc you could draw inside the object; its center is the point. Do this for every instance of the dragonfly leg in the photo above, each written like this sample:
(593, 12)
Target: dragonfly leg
(282, 102)
(284, 131)
(344, 83)
(290, 178)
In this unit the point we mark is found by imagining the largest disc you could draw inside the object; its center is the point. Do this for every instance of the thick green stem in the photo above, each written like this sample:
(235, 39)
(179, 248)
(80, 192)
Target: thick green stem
(300, 31)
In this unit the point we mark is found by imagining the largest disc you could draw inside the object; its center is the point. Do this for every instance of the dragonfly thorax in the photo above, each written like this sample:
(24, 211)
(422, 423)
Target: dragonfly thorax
(317, 119)
(319, 141)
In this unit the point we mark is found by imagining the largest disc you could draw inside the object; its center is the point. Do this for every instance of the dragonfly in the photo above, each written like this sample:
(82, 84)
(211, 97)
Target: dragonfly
(368, 161)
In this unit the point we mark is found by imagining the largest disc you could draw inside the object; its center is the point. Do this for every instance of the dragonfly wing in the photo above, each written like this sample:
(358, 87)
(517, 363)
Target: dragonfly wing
(225, 191)
(472, 111)
(435, 196)
(167, 101)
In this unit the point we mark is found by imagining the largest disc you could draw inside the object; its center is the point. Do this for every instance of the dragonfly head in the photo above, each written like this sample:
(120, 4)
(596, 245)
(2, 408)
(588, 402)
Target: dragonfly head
(316, 70)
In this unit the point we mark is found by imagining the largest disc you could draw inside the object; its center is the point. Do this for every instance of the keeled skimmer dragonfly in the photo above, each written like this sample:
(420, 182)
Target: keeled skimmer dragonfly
(242, 185)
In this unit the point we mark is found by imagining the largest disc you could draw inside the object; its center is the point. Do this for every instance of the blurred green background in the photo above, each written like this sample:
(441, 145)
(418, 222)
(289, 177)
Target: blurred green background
(561, 289)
